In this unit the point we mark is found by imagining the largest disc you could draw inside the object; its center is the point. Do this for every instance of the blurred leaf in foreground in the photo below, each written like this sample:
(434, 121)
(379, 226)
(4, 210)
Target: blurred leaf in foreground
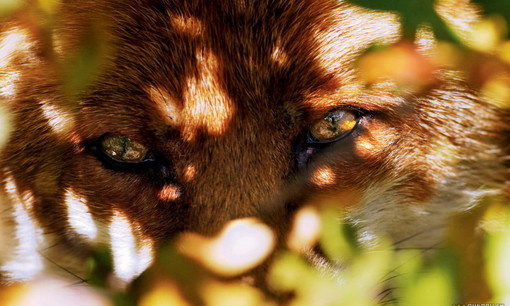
(163, 292)
(425, 285)
(80, 69)
(487, 34)
(497, 252)
(414, 14)
(48, 6)
(8, 7)
(355, 275)
(400, 64)
(172, 277)
(496, 7)
(337, 239)
(218, 293)
(306, 228)
(242, 245)
(51, 292)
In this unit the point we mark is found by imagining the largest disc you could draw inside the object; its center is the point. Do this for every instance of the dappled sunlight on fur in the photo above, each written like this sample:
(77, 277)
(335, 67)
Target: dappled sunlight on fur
(218, 101)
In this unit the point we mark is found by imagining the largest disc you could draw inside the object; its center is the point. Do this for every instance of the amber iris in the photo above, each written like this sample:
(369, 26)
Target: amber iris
(335, 125)
(124, 149)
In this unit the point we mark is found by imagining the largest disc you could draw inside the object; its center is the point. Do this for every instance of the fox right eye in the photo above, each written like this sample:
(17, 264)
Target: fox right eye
(335, 125)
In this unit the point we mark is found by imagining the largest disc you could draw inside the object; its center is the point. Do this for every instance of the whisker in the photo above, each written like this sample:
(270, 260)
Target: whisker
(390, 277)
(425, 249)
(82, 280)
(396, 243)
(385, 293)
(393, 301)
(48, 247)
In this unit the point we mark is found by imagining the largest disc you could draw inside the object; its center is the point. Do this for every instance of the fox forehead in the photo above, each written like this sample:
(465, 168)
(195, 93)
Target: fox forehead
(200, 64)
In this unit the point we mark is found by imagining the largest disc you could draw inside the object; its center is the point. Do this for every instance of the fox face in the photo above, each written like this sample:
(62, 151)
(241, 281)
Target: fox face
(204, 112)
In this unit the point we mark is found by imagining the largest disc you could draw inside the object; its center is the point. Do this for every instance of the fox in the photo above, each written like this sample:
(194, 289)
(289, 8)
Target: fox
(203, 112)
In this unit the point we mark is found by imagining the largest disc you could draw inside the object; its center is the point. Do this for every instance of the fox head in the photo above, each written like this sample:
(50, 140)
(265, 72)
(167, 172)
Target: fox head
(203, 112)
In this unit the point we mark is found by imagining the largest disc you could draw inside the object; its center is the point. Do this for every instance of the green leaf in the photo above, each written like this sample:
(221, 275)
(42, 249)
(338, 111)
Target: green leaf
(434, 283)
(80, 69)
(337, 239)
(497, 258)
(413, 13)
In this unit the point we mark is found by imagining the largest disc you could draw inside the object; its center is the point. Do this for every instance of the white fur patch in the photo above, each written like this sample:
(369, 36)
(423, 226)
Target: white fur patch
(25, 262)
(79, 216)
(130, 258)
(59, 121)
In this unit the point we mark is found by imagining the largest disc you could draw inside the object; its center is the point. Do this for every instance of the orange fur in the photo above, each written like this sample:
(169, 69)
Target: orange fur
(223, 93)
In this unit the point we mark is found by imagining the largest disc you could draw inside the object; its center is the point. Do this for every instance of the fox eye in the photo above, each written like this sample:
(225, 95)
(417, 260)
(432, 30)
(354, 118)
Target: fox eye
(335, 125)
(124, 149)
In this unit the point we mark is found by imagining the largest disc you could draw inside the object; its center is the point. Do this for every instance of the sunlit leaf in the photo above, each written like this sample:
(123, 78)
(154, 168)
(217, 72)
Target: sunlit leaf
(50, 292)
(336, 239)
(164, 292)
(446, 54)
(172, 269)
(8, 7)
(504, 51)
(487, 34)
(232, 294)
(413, 14)
(288, 271)
(242, 245)
(497, 7)
(401, 64)
(497, 90)
(466, 242)
(428, 285)
(48, 6)
(497, 257)
(293, 274)
(365, 276)
(305, 229)
(433, 288)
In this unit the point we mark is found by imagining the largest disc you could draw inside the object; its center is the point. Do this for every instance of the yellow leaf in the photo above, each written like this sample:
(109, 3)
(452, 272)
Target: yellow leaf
(164, 292)
(49, 6)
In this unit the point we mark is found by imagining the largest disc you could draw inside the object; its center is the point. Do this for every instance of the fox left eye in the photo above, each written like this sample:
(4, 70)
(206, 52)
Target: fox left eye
(334, 126)
(124, 149)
